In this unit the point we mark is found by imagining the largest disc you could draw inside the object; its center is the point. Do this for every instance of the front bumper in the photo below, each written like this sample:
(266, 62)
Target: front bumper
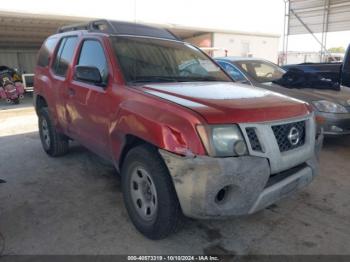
(335, 124)
(247, 182)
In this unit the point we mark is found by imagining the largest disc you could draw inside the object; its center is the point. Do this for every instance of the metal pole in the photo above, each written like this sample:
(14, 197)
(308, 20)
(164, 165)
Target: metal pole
(323, 29)
(308, 29)
(285, 32)
(326, 28)
(135, 20)
(284, 35)
(288, 25)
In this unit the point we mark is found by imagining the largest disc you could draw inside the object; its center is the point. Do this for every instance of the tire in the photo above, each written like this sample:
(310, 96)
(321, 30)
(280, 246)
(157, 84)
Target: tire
(165, 215)
(54, 143)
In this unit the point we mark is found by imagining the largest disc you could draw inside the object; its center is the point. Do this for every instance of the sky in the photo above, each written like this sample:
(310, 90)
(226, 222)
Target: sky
(265, 16)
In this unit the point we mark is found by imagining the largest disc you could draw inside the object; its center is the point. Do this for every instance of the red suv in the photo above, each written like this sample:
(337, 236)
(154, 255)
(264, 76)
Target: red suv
(185, 138)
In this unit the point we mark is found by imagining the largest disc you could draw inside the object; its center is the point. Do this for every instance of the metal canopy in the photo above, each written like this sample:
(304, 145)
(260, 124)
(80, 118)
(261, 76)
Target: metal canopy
(319, 16)
(28, 31)
(315, 17)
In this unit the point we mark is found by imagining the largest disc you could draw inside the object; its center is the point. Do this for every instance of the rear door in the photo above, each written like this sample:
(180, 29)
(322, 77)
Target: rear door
(88, 104)
(345, 74)
(59, 72)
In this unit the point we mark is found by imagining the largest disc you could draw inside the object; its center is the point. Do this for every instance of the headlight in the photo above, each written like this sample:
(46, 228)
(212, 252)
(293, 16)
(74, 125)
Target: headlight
(329, 107)
(222, 140)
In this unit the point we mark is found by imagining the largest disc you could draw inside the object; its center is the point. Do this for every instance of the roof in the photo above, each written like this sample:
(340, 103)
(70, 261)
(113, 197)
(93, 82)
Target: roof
(120, 28)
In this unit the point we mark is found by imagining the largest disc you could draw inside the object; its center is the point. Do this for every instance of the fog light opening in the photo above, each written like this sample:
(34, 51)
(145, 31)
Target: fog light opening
(222, 194)
(240, 148)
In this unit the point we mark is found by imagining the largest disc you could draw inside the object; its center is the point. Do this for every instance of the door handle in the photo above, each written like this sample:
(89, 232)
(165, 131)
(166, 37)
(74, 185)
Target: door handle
(71, 92)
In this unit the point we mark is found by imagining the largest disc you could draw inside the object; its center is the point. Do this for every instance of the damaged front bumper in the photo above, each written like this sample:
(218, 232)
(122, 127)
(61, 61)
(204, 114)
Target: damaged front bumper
(210, 187)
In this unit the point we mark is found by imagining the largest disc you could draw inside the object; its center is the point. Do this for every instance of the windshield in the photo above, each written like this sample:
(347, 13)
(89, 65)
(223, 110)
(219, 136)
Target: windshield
(156, 60)
(261, 71)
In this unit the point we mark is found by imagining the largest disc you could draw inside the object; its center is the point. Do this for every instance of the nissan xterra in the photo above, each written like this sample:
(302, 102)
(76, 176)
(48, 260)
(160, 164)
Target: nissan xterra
(185, 138)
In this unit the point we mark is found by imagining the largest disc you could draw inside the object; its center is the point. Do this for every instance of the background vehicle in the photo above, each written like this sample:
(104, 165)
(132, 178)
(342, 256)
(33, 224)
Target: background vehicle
(186, 139)
(10, 88)
(332, 106)
(338, 73)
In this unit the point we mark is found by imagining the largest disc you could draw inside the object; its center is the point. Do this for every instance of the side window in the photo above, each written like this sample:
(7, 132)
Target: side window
(92, 54)
(45, 51)
(232, 71)
(244, 66)
(64, 55)
(267, 72)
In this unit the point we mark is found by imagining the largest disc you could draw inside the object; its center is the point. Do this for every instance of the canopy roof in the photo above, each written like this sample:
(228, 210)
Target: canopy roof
(319, 16)
(27, 30)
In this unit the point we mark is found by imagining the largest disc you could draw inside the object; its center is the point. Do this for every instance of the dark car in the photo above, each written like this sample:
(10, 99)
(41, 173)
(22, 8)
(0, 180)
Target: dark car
(332, 106)
(338, 72)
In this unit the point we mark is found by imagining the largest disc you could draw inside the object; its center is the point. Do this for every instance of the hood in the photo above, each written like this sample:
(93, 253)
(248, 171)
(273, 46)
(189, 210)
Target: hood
(228, 102)
(341, 97)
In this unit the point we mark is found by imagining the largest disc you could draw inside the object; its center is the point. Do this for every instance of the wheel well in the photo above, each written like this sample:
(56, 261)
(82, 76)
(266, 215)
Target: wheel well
(131, 141)
(40, 103)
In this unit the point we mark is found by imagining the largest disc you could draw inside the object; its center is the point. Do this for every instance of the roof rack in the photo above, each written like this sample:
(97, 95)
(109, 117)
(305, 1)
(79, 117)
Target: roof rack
(120, 28)
(74, 27)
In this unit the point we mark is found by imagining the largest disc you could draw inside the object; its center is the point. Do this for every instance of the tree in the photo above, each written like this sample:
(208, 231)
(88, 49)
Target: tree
(339, 49)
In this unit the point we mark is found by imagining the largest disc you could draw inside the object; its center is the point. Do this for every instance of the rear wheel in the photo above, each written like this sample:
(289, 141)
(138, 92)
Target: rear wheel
(149, 194)
(54, 143)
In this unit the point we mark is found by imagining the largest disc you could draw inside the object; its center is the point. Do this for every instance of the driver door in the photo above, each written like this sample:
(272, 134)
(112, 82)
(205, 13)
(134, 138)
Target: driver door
(89, 104)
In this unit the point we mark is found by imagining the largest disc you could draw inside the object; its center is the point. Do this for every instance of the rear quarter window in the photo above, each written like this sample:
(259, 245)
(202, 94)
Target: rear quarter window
(46, 51)
(64, 55)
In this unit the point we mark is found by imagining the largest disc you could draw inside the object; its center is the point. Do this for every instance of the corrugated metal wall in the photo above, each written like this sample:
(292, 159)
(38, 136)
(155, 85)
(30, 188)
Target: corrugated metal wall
(24, 60)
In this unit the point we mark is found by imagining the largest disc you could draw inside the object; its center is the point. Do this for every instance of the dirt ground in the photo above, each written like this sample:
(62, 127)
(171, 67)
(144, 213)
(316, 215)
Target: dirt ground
(73, 205)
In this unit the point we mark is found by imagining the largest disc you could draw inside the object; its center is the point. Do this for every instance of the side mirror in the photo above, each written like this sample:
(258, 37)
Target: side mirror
(88, 74)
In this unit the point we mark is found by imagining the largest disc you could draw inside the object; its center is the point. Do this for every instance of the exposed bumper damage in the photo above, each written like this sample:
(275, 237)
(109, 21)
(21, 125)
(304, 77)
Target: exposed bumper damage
(246, 183)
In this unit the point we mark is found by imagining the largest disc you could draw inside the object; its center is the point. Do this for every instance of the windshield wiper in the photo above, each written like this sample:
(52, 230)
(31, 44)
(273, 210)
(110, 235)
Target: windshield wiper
(165, 79)
(150, 79)
(199, 79)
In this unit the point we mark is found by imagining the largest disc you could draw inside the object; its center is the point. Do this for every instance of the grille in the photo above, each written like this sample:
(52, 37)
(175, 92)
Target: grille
(253, 139)
(282, 132)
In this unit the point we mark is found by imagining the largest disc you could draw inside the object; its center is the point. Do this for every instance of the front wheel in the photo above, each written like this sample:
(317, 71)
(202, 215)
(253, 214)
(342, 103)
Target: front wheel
(54, 143)
(149, 194)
